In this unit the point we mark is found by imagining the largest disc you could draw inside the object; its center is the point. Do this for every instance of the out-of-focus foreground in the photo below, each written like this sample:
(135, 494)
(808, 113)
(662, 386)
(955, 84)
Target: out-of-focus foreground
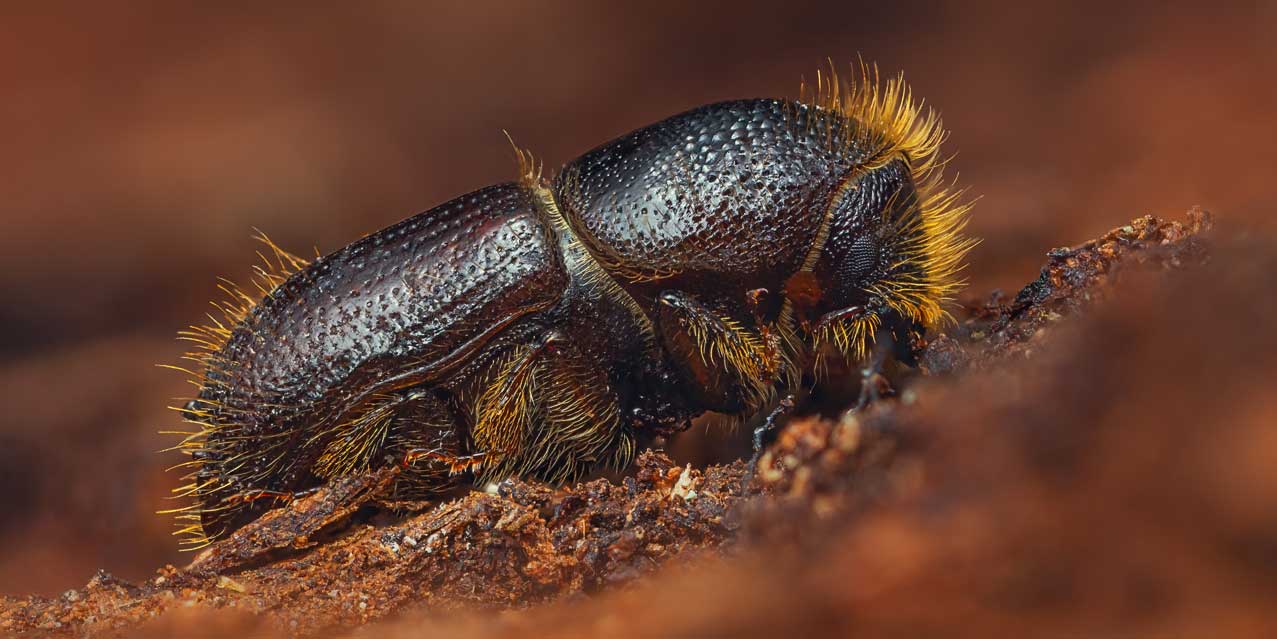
(143, 143)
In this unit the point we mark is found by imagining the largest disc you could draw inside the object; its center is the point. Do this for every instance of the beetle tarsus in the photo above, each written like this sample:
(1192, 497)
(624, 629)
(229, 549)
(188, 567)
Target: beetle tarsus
(250, 496)
(456, 464)
(767, 431)
(873, 384)
(772, 424)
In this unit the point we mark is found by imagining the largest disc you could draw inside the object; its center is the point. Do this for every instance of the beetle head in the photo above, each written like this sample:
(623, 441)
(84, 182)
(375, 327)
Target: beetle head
(890, 240)
(893, 249)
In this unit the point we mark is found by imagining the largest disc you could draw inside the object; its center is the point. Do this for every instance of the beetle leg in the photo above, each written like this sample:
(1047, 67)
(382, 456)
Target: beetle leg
(254, 495)
(424, 439)
(873, 384)
(853, 331)
(733, 367)
(506, 405)
(861, 331)
(456, 464)
(579, 420)
(841, 315)
(771, 424)
(761, 302)
(769, 427)
(249, 496)
(546, 410)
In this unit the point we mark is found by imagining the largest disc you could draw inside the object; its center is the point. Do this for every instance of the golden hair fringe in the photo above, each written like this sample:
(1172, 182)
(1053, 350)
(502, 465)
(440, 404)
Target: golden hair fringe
(882, 122)
(575, 417)
(210, 338)
(277, 265)
(505, 408)
(853, 338)
(530, 168)
(727, 345)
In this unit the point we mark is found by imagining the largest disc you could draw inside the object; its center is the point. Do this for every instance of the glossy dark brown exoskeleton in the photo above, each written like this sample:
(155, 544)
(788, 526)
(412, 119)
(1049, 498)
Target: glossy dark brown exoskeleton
(544, 327)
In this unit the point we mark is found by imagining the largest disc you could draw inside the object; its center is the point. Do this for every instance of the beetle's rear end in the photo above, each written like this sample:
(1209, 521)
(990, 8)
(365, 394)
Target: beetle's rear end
(312, 381)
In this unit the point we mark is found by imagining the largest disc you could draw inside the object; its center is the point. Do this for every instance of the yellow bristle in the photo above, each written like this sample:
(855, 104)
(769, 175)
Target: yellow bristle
(530, 169)
(207, 341)
(881, 122)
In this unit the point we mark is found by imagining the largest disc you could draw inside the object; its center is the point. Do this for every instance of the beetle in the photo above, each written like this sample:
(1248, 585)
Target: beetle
(707, 263)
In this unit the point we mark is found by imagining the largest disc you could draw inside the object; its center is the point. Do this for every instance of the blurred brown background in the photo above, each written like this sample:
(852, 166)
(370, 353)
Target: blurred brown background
(143, 142)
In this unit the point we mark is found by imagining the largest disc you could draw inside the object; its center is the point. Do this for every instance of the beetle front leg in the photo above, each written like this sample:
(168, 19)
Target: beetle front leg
(730, 368)
(828, 320)
(861, 331)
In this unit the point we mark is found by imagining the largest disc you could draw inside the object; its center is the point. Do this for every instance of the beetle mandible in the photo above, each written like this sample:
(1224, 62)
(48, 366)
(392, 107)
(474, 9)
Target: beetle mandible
(548, 326)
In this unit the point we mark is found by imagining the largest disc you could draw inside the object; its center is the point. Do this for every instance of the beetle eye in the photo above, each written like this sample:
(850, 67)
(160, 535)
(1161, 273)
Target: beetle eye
(861, 259)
